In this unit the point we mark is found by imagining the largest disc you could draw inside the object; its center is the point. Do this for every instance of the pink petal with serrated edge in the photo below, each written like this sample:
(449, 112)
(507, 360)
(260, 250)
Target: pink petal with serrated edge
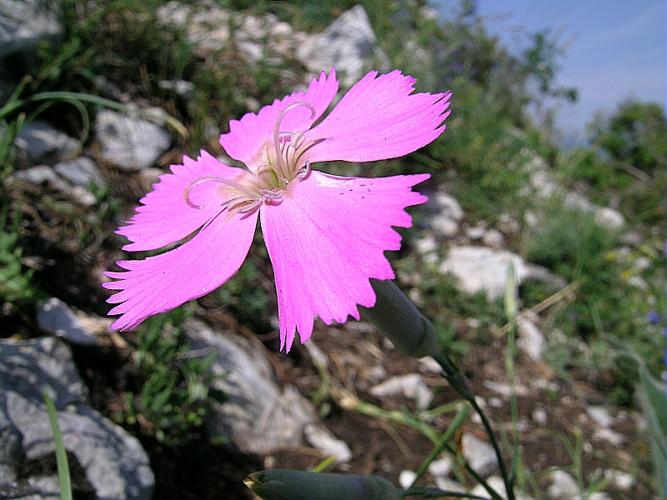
(379, 118)
(247, 135)
(327, 238)
(160, 283)
(164, 217)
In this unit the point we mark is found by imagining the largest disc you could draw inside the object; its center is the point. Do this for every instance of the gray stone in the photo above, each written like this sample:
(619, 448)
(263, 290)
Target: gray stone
(210, 28)
(531, 340)
(497, 483)
(444, 483)
(26, 23)
(619, 479)
(181, 88)
(600, 415)
(257, 416)
(73, 178)
(479, 454)
(445, 214)
(406, 477)
(348, 44)
(545, 186)
(482, 269)
(441, 467)
(324, 441)
(115, 464)
(39, 142)
(563, 486)
(410, 386)
(493, 238)
(80, 172)
(130, 143)
(54, 316)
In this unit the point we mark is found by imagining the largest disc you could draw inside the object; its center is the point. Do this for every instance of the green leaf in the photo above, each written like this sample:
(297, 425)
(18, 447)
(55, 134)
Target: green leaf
(61, 454)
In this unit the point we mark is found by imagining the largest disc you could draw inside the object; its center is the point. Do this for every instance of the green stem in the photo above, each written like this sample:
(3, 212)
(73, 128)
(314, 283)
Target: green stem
(444, 439)
(64, 480)
(460, 384)
(436, 493)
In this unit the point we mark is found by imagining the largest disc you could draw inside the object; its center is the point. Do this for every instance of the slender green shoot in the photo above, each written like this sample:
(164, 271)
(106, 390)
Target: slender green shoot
(61, 454)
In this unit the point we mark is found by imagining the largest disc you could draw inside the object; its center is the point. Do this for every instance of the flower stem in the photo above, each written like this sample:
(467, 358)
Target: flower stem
(461, 385)
(418, 491)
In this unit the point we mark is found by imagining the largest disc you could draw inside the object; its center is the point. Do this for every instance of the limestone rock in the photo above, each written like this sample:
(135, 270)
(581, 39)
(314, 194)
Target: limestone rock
(480, 455)
(410, 386)
(348, 44)
(54, 316)
(39, 142)
(26, 23)
(482, 269)
(115, 464)
(130, 143)
(257, 416)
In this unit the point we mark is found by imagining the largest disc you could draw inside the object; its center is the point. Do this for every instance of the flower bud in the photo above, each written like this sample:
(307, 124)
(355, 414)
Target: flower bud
(398, 319)
(285, 484)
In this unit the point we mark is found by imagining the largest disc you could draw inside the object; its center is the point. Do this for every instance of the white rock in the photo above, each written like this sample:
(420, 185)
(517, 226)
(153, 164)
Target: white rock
(426, 245)
(113, 461)
(327, 443)
(482, 269)
(348, 44)
(54, 316)
(39, 142)
(257, 416)
(505, 390)
(80, 172)
(410, 386)
(429, 365)
(475, 233)
(26, 23)
(130, 143)
(495, 402)
(448, 205)
(531, 340)
(182, 88)
(598, 495)
(479, 454)
(610, 436)
(405, 478)
(508, 224)
(441, 467)
(600, 415)
(444, 227)
(540, 416)
(72, 177)
(563, 486)
(497, 484)
(610, 218)
(545, 186)
(493, 238)
(619, 479)
(446, 484)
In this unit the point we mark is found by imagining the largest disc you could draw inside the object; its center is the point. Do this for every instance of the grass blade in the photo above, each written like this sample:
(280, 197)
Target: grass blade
(61, 455)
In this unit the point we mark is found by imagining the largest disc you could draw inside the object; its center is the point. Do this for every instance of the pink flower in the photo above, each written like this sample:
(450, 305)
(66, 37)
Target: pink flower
(326, 235)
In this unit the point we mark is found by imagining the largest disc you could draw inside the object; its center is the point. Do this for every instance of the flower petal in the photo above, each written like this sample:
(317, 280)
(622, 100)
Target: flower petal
(160, 283)
(247, 135)
(327, 238)
(379, 118)
(164, 216)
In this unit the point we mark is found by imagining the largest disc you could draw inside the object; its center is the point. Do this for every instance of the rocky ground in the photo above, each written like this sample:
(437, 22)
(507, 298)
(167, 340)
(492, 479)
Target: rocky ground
(342, 394)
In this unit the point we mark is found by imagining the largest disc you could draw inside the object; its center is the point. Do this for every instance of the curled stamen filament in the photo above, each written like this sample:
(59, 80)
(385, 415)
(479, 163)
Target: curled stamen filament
(213, 178)
(282, 147)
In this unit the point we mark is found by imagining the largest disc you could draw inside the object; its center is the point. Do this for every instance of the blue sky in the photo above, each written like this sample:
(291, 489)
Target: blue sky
(615, 49)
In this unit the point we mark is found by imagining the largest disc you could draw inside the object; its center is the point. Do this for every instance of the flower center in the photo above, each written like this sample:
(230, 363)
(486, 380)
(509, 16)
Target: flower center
(282, 161)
